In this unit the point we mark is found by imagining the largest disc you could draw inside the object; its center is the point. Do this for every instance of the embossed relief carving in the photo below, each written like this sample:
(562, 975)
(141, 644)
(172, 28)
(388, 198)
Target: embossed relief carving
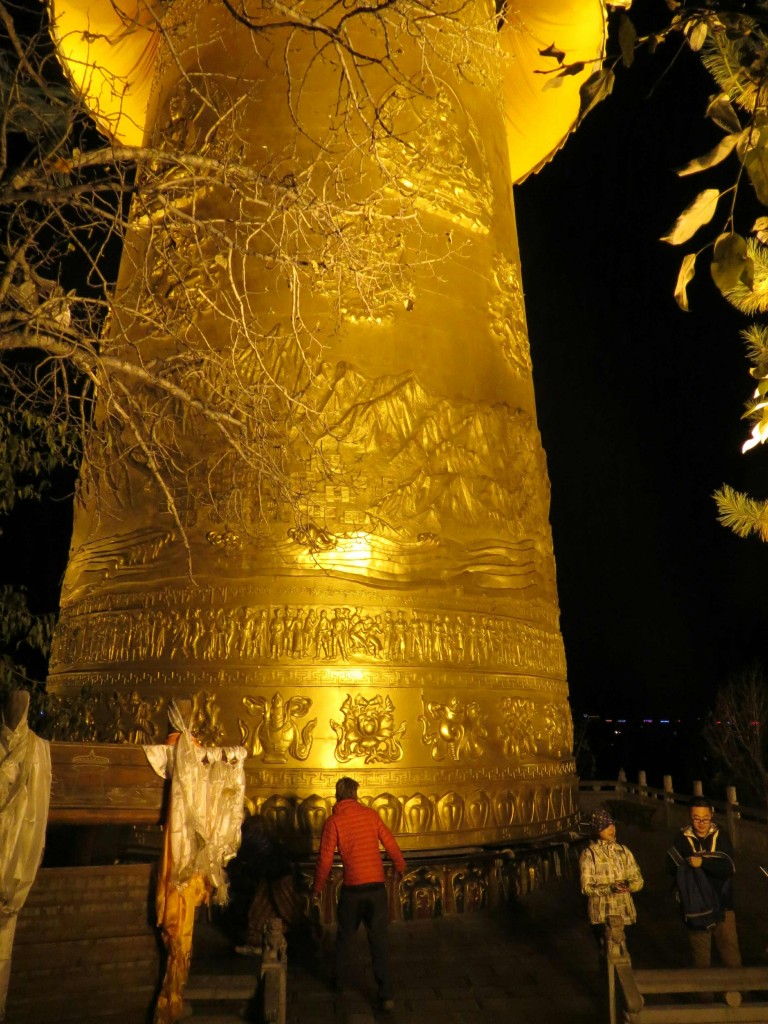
(421, 894)
(277, 733)
(390, 810)
(556, 738)
(447, 176)
(517, 732)
(478, 809)
(77, 718)
(464, 481)
(205, 724)
(134, 550)
(183, 272)
(470, 889)
(418, 813)
(507, 309)
(336, 633)
(368, 730)
(278, 813)
(227, 541)
(450, 812)
(504, 808)
(313, 813)
(526, 806)
(433, 466)
(134, 718)
(421, 814)
(454, 730)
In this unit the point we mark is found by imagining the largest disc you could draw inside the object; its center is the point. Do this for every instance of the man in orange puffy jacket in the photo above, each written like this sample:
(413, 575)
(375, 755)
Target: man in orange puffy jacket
(356, 831)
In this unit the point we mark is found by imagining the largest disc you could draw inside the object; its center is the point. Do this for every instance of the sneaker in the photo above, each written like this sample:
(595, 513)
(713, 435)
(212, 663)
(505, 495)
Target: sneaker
(387, 1005)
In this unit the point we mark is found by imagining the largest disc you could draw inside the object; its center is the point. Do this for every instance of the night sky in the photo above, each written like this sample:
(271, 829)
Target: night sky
(640, 404)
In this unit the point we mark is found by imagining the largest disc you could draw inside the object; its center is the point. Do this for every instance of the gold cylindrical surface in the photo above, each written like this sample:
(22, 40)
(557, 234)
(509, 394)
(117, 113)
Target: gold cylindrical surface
(396, 619)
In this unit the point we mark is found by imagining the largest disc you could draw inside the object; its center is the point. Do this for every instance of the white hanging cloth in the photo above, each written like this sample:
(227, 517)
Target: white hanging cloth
(25, 793)
(206, 805)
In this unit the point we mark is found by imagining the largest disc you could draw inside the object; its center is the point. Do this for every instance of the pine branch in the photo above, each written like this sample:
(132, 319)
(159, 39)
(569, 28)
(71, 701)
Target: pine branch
(742, 514)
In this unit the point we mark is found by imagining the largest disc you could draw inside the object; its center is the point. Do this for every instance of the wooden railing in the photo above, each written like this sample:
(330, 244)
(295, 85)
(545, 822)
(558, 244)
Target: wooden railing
(654, 808)
(637, 803)
(627, 989)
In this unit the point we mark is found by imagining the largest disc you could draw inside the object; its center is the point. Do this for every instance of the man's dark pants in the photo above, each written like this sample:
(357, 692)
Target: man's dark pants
(366, 904)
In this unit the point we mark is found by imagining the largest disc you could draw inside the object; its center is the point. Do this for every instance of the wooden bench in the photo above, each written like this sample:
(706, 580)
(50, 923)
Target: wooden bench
(727, 983)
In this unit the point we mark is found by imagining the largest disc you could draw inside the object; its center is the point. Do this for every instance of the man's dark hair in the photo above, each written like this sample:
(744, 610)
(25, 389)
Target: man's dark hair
(346, 788)
(702, 801)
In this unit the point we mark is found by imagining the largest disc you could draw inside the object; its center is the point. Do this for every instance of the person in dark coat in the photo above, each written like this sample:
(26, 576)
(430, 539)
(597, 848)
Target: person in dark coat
(704, 846)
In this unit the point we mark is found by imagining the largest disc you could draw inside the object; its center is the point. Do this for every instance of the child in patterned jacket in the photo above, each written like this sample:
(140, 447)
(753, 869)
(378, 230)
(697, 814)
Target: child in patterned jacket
(609, 875)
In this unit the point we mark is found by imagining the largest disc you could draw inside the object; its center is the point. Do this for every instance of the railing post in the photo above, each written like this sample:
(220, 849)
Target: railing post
(619, 964)
(732, 814)
(698, 788)
(621, 781)
(274, 972)
(642, 782)
(669, 799)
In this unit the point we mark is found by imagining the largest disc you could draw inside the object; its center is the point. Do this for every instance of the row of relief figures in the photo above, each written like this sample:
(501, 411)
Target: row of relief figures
(285, 633)
(367, 729)
(527, 807)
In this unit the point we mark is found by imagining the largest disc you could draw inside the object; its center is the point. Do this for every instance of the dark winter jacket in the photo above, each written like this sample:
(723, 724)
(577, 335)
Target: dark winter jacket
(716, 855)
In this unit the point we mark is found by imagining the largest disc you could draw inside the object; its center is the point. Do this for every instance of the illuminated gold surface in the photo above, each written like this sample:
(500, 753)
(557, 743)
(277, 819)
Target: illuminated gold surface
(108, 49)
(400, 623)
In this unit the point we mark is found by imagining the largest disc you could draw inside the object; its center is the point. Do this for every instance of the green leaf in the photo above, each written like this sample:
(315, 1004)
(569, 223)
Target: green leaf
(684, 278)
(696, 33)
(699, 212)
(730, 263)
(715, 156)
(597, 87)
(755, 158)
(721, 111)
(627, 41)
(760, 229)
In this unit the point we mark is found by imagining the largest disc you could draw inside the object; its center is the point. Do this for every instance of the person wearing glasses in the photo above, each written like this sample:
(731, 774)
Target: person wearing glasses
(704, 847)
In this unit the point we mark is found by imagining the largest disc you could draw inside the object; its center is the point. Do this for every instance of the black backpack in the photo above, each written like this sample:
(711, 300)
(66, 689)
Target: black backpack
(699, 902)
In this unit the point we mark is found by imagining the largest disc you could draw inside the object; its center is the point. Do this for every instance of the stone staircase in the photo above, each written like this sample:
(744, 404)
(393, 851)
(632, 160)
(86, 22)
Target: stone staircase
(227, 988)
(223, 993)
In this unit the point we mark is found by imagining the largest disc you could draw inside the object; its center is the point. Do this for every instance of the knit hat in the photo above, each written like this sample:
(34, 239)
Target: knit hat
(601, 820)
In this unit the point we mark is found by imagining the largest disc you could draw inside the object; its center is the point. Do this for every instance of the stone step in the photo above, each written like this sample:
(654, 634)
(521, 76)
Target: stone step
(219, 1011)
(221, 987)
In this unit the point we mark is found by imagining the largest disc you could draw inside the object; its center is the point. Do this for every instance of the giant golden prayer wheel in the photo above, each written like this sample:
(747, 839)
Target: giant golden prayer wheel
(397, 619)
